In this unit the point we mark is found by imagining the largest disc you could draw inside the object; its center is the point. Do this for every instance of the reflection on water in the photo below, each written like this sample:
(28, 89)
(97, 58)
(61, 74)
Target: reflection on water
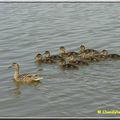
(29, 28)
(18, 85)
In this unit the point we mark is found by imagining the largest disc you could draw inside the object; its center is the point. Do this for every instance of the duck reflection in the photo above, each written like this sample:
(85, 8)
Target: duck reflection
(18, 86)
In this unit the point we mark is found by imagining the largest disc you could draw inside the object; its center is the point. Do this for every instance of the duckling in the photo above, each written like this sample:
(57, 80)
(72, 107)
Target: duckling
(24, 78)
(105, 54)
(38, 58)
(66, 54)
(84, 50)
(47, 55)
(76, 62)
(89, 57)
(63, 65)
(102, 55)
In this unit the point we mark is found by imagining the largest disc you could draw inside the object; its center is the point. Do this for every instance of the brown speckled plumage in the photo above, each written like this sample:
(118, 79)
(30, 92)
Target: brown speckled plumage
(26, 78)
(84, 50)
(65, 54)
(47, 55)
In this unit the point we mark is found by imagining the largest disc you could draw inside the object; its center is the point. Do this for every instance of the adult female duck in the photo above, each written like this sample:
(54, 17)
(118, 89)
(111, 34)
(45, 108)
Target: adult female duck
(24, 78)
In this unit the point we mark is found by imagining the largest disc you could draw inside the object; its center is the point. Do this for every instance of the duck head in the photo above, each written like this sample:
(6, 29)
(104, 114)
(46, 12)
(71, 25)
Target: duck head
(15, 66)
(61, 50)
(104, 52)
(38, 57)
(46, 54)
(82, 48)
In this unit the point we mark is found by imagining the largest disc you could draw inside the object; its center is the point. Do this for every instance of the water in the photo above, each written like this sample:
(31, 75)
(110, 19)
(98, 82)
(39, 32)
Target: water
(29, 28)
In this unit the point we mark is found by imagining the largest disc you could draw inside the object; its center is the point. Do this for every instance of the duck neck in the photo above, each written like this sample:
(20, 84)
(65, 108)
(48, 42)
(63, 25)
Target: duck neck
(16, 73)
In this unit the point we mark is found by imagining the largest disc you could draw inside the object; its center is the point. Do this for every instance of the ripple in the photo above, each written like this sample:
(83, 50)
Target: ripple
(29, 28)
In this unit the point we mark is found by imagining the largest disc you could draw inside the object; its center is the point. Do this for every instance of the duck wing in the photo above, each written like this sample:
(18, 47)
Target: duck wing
(29, 77)
(23, 76)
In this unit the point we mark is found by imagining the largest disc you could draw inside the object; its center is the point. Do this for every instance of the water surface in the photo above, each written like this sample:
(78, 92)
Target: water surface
(29, 28)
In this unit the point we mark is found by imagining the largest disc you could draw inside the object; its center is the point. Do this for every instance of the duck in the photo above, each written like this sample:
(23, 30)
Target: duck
(47, 55)
(66, 66)
(39, 59)
(77, 62)
(65, 54)
(24, 78)
(104, 54)
(84, 50)
(89, 57)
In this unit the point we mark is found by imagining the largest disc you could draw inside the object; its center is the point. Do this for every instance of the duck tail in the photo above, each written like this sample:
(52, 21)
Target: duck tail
(39, 78)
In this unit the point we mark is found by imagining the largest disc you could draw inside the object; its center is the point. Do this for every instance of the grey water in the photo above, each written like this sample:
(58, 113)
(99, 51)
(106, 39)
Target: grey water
(30, 28)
